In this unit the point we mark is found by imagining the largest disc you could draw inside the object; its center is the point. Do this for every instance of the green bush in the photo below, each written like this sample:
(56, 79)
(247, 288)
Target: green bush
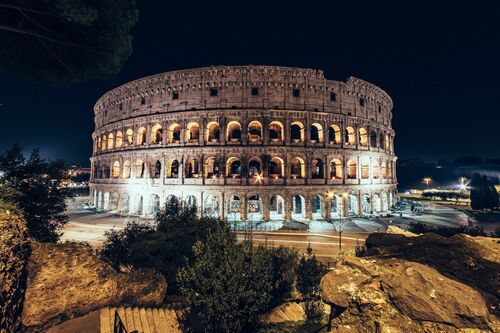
(422, 228)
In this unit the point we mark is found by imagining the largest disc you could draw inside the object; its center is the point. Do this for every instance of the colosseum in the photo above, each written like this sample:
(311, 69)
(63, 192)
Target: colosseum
(246, 143)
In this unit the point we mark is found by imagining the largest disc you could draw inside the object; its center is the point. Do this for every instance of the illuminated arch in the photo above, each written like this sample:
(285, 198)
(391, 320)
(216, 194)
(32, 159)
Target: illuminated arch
(212, 168)
(156, 136)
(129, 137)
(352, 171)
(233, 167)
(276, 168)
(192, 168)
(298, 207)
(316, 133)
(373, 139)
(317, 169)
(111, 141)
(276, 131)
(363, 137)
(141, 136)
(297, 168)
(119, 139)
(213, 132)
(172, 170)
(297, 132)
(365, 168)
(255, 131)
(211, 206)
(336, 169)
(276, 207)
(334, 134)
(350, 137)
(139, 169)
(234, 208)
(375, 169)
(318, 207)
(115, 172)
(174, 133)
(384, 170)
(233, 133)
(153, 204)
(157, 170)
(193, 132)
(255, 208)
(254, 167)
(103, 142)
(126, 169)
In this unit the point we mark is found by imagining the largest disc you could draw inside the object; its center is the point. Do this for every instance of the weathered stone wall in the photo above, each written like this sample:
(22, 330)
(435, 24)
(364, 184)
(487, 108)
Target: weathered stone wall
(14, 255)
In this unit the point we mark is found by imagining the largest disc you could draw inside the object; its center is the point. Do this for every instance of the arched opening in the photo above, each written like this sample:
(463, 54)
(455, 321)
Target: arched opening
(384, 170)
(156, 134)
(190, 201)
(385, 203)
(375, 169)
(335, 169)
(353, 208)
(387, 142)
(141, 136)
(318, 208)
(193, 132)
(365, 168)
(336, 206)
(363, 137)
(212, 168)
(334, 134)
(105, 204)
(377, 204)
(99, 200)
(103, 142)
(365, 204)
(172, 169)
(234, 208)
(276, 169)
(153, 204)
(213, 132)
(373, 139)
(233, 167)
(139, 169)
(192, 168)
(211, 206)
(125, 204)
(139, 205)
(174, 133)
(129, 137)
(113, 202)
(99, 143)
(233, 132)
(157, 170)
(255, 131)
(276, 208)
(111, 141)
(119, 139)
(351, 169)
(317, 170)
(316, 133)
(106, 171)
(126, 169)
(255, 168)
(297, 132)
(297, 168)
(276, 132)
(382, 141)
(350, 138)
(254, 208)
(298, 207)
(115, 172)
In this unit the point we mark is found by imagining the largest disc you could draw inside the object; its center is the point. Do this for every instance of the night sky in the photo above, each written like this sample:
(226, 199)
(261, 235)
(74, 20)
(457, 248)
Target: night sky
(441, 65)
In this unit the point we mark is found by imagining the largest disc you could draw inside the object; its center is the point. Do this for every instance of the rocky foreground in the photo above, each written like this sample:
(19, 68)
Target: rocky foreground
(409, 283)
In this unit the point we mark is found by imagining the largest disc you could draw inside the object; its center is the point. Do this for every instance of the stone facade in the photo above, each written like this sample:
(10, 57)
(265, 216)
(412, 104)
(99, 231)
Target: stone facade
(245, 142)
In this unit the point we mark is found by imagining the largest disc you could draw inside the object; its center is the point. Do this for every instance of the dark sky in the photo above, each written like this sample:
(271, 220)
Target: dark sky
(441, 65)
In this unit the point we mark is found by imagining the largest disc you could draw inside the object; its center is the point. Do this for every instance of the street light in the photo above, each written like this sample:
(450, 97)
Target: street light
(462, 183)
(344, 196)
(427, 180)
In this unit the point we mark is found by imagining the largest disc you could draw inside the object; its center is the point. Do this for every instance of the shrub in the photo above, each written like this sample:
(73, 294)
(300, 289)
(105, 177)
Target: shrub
(422, 228)
(309, 274)
(284, 265)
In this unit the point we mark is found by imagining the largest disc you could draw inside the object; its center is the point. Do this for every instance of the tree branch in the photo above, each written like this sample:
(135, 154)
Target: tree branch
(26, 9)
(35, 34)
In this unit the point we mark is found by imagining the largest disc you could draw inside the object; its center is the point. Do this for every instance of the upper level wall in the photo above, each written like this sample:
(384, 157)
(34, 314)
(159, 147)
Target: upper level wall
(260, 87)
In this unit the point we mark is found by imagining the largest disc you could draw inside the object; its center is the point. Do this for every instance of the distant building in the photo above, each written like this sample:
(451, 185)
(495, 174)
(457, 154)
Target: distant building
(245, 143)
(74, 171)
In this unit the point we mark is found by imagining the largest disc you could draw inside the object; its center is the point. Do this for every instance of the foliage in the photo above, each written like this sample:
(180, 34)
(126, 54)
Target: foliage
(33, 186)
(421, 228)
(62, 41)
(228, 284)
(445, 195)
(116, 249)
(483, 194)
(309, 273)
(284, 265)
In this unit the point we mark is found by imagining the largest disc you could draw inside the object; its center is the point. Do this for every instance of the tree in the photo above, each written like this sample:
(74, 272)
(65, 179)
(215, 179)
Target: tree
(284, 265)
(33, 186)
(64, 41)
(229, 284)
(491, 194)
(477, 193)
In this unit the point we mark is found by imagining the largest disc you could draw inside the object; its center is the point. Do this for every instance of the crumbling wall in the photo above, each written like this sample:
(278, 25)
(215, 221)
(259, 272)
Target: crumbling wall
(14, 254)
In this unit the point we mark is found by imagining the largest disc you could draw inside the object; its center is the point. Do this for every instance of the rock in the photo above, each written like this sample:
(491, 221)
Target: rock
(392, 229)
(68, 280)
(394, 295)
(289, 311)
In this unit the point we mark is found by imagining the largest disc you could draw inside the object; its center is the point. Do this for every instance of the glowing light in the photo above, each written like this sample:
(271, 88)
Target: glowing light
(427, 180)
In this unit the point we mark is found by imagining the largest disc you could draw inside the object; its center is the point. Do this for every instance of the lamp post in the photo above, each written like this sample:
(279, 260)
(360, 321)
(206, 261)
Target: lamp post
(427, 180)
(344, 197)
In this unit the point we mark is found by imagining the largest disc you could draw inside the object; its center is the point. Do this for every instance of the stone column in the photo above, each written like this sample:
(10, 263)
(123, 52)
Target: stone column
(308, 207)
(243, 207)
(288, 207)
(265, 207)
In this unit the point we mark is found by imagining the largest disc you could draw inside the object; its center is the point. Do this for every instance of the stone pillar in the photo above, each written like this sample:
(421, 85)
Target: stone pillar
(288, 207)
(327, 208)
(308, 207)
(265, 207)
(243, 207)
(360, 204)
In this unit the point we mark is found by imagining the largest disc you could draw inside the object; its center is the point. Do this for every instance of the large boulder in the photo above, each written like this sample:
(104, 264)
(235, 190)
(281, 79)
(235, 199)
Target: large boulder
(389, 293)
(68, 280)
(289, 311)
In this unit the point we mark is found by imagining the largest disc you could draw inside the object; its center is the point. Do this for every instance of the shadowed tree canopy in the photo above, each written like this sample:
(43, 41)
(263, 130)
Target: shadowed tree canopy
(65, 41)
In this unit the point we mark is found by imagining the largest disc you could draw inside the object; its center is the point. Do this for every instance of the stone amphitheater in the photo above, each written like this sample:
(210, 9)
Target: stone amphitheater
(246, 143)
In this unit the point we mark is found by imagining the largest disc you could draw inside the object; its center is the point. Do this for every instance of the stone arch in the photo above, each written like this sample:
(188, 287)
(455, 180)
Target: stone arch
(350, 137)
(255, 131)
(113, 202)
(255, 167)
(276, 131)
(233, 131)
(99, 200)
(172, 170)
(192, 168)
(119, 139)
(366, 204)
(105, 201)
(234, 208)
(385, 202)
(334, 132)
(336, 169)
(318, 207)
(129, 137)
(213, 132)
(336, 205)
(276, 167)
(174, 133)
(212, 168)
(190, 201)
(316, 134)
(233, 167)
(211, 206)
(353, 206)
(126, 169)
(153, 204)
(138, 204)
(115, 172)
(125, 203)
(156, 136)
(377, 203)
(103, 142)
(157, 170)
(365, 168)
(111, 141)
(373, 139)
(297, 132)
(276, 207)
(297, 168)
(139, 168)
(255, 208)
(317, 169)
(193, 132)
(352, 172)
(363, 137)
(298, 207)
(375, 169)
(141, 136)
(384, 169)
